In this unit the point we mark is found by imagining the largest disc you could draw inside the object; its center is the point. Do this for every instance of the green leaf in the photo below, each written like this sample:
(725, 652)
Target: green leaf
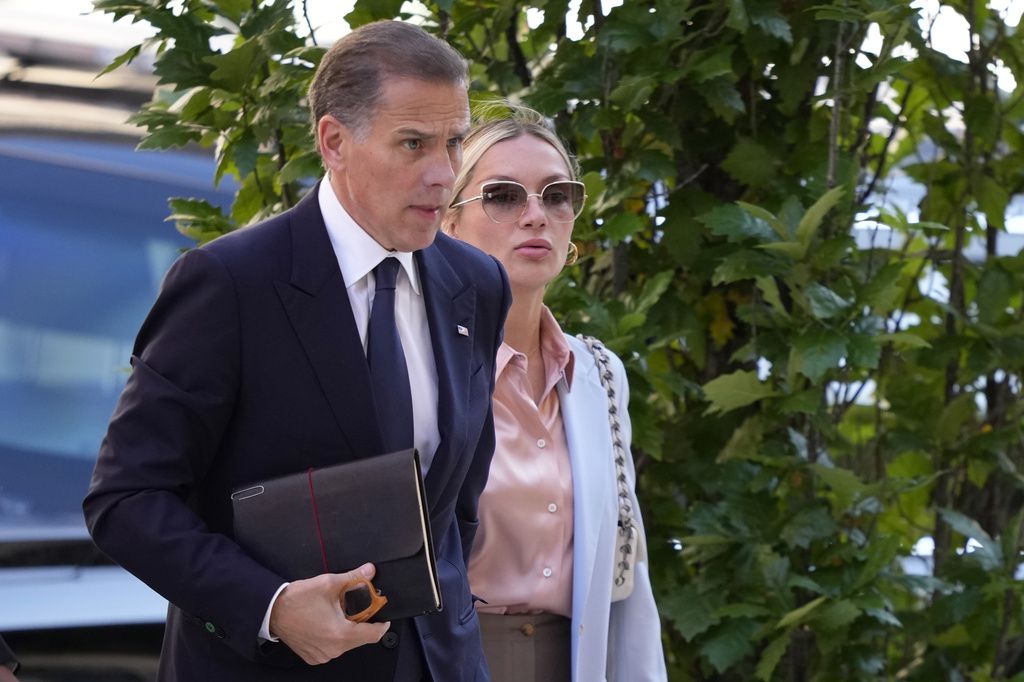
(194, 209)
(992, 200)
(625, 37)
(742, 611)
(752, 164)
(745, 441)
(744, 264)
(628, 322)
(234, 69)
(836, 13)
(731, 642)
(736, 224)
(771, 656)
(904, 340)
(623, 225)
(248, 201)
(772, 23)
(864, 351)
(654, 288)
(766, 216)
(723, 98)
(844, 484)
(837, 614)
(302, 166)
(994, 291)
(883, 290)
(168, 138)
(811, 221)
(732, 391)
(366, 11)
(691, 612)
(990, 553)
(799, 614)
(738, 19)
(794, 250)
(808, 526)
(233, 9)
(125, 57)
(957, 416)
(715, 63)
(817, 352)
(807, 402)
(633, 92)
(770, 291)
(882, 551)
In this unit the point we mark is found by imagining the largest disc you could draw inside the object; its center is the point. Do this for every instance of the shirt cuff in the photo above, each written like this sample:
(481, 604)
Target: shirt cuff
(265, 635)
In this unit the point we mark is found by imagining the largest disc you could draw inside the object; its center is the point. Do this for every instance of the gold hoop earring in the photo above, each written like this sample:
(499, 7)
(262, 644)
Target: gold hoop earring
(574, 254)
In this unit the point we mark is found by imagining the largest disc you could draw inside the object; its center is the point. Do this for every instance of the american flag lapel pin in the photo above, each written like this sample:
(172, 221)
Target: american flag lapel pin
(461, 330)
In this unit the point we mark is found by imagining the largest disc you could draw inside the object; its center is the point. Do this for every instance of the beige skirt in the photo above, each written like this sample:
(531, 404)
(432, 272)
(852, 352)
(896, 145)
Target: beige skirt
(529, 648)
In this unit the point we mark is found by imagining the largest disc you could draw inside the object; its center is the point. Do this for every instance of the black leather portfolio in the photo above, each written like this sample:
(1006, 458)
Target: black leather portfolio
(334, 519)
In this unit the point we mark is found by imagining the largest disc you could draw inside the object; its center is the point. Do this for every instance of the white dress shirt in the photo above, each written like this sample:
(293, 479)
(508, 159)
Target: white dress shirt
(358, 254)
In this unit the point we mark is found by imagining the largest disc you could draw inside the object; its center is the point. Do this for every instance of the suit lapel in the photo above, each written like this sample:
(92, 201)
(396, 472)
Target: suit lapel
(449, 305)
(317, 305)
(584, 417)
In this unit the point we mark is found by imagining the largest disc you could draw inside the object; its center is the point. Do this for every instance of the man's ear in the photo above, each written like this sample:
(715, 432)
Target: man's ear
(334, 140)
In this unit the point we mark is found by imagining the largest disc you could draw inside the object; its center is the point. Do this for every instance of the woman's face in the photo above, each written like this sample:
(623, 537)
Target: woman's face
(533, 248)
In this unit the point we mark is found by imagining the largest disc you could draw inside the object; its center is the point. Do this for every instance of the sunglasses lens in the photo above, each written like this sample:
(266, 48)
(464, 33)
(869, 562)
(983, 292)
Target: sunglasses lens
(356, 600)
(503, 201)
(563, 200)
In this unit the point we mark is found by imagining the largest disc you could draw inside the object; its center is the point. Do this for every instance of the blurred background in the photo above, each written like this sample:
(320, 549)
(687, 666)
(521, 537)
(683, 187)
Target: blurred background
(83, 247)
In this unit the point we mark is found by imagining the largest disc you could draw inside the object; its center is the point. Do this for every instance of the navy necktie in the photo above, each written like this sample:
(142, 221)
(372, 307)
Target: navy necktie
(388, 372)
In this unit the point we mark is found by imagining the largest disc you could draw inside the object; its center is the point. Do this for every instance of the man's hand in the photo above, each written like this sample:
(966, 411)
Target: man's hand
(6, 675)
(308, 617)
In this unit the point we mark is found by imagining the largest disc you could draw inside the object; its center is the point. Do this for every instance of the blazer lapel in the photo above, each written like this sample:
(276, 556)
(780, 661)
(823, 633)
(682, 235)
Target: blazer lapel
(450, 309)
(320, 313)
(584, 417)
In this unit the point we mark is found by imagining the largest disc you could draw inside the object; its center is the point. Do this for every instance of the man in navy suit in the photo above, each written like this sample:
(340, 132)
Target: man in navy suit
(253, 364)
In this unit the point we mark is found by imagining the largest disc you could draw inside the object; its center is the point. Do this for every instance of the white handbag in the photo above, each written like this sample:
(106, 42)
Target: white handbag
(630, 544)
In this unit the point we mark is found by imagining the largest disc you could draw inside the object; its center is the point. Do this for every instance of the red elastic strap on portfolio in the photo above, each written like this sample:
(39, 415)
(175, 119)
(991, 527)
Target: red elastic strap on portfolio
(316, 519)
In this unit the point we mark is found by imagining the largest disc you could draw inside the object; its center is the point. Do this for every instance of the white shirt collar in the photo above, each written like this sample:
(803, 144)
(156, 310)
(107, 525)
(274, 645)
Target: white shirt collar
(357, 252)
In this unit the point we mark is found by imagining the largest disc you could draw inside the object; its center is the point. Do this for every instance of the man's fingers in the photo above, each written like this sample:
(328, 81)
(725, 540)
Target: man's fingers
(378, 630)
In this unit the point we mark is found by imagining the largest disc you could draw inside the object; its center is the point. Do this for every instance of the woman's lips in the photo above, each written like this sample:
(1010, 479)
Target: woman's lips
(534, 248)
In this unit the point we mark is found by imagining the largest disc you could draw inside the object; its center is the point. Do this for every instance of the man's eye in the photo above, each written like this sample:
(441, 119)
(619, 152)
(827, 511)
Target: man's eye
(413, 144)
(455, 142)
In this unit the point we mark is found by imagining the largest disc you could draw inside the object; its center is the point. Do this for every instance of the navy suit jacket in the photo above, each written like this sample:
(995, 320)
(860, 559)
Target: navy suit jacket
(250, 366)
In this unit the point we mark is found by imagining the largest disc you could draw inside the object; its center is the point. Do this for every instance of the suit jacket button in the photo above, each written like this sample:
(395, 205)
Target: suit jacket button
(389, 640)
(526, 629)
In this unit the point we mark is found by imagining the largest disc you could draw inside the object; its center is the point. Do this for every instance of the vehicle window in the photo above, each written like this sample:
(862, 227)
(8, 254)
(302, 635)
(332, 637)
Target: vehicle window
(83, 248)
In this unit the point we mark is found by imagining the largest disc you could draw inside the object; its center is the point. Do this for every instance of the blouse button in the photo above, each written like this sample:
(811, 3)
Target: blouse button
(541, 443)
(552, 507)
(547, 572)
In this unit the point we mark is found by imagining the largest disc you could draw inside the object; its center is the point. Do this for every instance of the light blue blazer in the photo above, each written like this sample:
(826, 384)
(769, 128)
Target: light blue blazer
(620, 641)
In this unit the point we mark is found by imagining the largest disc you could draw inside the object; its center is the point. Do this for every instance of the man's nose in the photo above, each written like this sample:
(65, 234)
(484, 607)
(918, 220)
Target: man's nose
(441, 172)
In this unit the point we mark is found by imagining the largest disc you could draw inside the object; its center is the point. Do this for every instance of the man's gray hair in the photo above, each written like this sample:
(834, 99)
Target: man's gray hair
(349, 81)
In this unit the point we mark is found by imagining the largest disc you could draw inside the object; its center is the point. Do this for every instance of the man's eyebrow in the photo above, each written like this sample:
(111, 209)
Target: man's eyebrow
(413, 132)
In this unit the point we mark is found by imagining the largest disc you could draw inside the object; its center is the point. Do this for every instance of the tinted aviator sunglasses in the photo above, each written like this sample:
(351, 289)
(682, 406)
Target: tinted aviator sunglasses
(505, 201)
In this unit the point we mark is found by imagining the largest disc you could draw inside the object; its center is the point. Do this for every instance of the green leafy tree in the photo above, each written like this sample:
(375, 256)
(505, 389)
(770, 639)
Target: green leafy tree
(825, 365)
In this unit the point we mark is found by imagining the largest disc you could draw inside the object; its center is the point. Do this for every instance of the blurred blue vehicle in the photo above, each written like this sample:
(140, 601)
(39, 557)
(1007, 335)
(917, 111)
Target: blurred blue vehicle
(83, 247)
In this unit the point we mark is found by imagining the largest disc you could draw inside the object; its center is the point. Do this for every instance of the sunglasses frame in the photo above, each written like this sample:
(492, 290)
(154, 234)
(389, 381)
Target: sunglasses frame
(377, 600)
(539, 195)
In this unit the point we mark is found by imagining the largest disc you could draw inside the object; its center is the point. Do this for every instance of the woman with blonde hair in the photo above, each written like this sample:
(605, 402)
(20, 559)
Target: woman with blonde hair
(559, 562)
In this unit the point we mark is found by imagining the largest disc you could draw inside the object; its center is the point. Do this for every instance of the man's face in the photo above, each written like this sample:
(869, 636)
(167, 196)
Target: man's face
(395, 178)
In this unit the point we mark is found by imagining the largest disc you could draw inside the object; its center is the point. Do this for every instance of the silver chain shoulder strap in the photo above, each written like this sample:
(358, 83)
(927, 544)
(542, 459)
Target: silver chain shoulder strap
(625, 559)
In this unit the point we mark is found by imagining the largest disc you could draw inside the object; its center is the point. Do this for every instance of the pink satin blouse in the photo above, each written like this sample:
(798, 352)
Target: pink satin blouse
(522, 556)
